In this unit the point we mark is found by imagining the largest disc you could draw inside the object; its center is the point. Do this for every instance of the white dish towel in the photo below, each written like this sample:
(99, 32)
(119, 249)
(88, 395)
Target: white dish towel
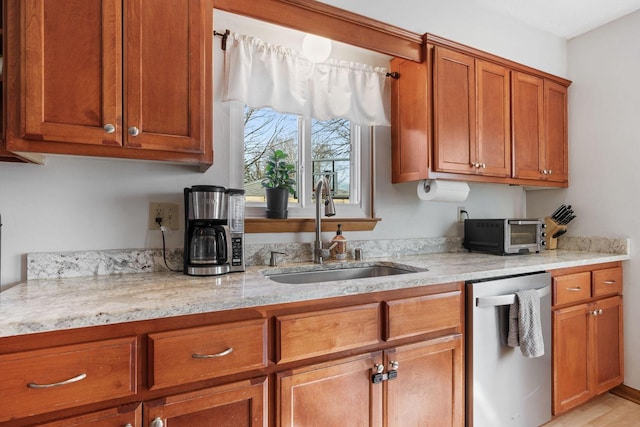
(525, 328)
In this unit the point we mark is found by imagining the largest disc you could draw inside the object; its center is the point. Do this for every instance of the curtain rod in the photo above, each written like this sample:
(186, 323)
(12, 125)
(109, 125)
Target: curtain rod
(225, 35)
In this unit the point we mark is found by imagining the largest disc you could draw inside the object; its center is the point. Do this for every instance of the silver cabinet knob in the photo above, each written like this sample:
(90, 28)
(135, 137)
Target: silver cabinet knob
(134, 131)
(128, 425)
(550, 172)
(157, 422)
(484, 166)
(109, 128)
(379, 368)
(393, 364)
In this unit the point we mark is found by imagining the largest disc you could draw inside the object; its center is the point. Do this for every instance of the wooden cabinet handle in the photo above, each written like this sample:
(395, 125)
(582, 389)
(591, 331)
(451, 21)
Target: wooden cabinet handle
(577, 289)
(212, 356)
(61, 383)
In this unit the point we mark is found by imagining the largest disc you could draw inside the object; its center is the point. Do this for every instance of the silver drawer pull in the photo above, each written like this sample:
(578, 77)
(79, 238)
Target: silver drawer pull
(213, 356)
(609, 282)
(578, 289)
(65, 382)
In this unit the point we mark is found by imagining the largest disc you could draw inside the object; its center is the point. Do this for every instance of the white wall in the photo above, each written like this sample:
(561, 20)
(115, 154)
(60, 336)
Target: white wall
(87, 204)
(604, 148)
(467, 22)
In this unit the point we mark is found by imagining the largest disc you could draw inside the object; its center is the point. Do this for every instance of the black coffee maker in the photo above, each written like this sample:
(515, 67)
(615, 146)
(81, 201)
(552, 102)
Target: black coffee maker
(210, 248)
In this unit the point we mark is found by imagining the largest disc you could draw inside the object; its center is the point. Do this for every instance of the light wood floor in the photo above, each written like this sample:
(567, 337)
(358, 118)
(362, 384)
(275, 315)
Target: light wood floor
(607, 410)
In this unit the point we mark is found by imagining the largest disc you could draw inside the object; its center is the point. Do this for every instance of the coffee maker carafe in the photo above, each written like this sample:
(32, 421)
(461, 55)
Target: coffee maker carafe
(210, 247)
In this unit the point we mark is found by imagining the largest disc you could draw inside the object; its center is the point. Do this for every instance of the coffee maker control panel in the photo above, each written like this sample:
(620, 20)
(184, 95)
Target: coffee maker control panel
(237, 252)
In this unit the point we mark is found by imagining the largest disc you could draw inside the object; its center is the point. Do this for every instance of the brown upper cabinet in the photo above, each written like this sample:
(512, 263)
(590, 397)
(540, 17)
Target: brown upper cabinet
(5, 155)
(539, 129)
(110, 78)
(471, 115)
(487, 119)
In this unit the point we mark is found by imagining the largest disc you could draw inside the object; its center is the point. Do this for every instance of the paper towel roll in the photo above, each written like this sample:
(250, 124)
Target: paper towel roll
(442, 191)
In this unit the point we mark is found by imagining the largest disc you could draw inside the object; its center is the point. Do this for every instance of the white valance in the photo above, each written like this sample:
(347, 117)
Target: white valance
(260, 74)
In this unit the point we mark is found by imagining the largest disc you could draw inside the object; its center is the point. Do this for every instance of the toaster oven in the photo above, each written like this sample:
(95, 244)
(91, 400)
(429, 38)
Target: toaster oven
(504, 236)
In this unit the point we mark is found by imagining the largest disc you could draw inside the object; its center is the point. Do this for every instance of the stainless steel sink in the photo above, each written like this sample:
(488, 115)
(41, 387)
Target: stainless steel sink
(343, 273)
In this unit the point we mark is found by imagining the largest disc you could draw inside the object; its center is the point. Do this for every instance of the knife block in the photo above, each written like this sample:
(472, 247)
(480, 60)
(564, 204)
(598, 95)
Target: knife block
(552, 229)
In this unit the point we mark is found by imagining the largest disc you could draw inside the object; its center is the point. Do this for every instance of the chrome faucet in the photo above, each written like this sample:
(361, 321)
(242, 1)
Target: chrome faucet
(322, 192)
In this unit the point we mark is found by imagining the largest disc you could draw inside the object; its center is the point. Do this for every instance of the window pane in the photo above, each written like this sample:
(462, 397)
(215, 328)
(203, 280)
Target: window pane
(266, 130)
(331, 155)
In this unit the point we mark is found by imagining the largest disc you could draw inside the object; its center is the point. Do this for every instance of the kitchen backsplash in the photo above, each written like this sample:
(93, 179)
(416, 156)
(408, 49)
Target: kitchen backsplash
(48, 265)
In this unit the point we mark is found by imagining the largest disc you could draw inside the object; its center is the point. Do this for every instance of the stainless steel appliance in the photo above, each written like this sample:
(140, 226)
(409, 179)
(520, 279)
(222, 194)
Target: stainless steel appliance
(214, 230)
(504, 236)
(503, 387)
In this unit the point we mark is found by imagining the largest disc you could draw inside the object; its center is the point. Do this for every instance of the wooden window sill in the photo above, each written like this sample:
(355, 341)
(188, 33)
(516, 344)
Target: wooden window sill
(296, 225)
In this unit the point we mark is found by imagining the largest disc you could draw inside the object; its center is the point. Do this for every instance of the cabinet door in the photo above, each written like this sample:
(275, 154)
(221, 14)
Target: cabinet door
(494, 119)
(429, 388)
(127, 416)
(528, 130)
(608, 343)
(242, 404)
(409, 122)
(454, 112)
(332, 394)
(556, 152)
(167, 43)
(571, 357)
(72, 74)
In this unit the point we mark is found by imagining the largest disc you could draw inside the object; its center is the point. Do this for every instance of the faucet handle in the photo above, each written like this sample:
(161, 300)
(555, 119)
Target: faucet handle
(273, 260)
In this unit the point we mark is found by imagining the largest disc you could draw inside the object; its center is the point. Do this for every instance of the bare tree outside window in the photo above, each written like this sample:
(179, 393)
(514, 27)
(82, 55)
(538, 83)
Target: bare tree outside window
(266, 130)
(331, 154)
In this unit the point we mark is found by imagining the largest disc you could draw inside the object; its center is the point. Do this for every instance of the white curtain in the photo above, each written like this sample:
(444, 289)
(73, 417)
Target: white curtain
(260, 74)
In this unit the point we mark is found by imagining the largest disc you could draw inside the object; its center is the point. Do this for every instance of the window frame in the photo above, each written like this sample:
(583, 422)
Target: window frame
(361, 174)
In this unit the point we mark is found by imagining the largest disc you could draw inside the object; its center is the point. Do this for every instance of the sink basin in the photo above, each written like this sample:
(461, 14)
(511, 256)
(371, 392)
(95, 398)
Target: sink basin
(344, 273)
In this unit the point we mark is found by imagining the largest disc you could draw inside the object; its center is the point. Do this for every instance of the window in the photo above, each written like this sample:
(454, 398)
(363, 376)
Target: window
(333, 148)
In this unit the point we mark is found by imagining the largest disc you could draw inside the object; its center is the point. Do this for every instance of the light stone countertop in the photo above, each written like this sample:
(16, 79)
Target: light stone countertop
(55, 304)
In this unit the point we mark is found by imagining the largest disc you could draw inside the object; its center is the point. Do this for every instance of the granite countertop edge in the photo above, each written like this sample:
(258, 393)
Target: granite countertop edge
(46, 305)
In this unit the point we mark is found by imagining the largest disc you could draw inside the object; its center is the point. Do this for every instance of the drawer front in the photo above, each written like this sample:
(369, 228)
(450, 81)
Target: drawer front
(421, 315)
(194, 354)
(572, 288)
(607, 281)
(41, 381)
(317, 333)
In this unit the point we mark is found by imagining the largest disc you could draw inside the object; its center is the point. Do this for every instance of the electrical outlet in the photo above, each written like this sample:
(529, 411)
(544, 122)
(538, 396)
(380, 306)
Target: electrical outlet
(168, 214)
(461, 213)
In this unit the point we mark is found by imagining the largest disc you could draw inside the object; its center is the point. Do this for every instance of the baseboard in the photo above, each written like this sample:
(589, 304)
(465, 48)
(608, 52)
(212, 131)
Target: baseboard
(628, 393)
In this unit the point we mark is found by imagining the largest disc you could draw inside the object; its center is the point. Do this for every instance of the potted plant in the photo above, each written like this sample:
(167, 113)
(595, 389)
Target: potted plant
(278, 182)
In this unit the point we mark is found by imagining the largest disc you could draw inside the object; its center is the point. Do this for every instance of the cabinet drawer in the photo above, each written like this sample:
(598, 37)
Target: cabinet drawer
(420, 315)
(572, 288)
(607, 281)
(187, 355)
(40, 381)
(304, 335)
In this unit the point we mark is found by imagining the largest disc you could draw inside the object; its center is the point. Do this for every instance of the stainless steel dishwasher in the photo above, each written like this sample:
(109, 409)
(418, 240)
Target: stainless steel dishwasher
(503, 387)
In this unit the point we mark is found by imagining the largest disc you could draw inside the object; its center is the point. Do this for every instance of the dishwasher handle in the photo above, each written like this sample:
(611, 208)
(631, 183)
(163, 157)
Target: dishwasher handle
(507, 299)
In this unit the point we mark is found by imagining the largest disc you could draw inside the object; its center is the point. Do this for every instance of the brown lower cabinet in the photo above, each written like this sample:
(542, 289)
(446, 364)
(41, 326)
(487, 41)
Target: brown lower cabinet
(426, 391)
(587, 336)
(234, 405)
(379, 359)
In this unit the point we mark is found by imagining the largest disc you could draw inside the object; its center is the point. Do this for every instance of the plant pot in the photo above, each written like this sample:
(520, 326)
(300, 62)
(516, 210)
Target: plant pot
(277, 202)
